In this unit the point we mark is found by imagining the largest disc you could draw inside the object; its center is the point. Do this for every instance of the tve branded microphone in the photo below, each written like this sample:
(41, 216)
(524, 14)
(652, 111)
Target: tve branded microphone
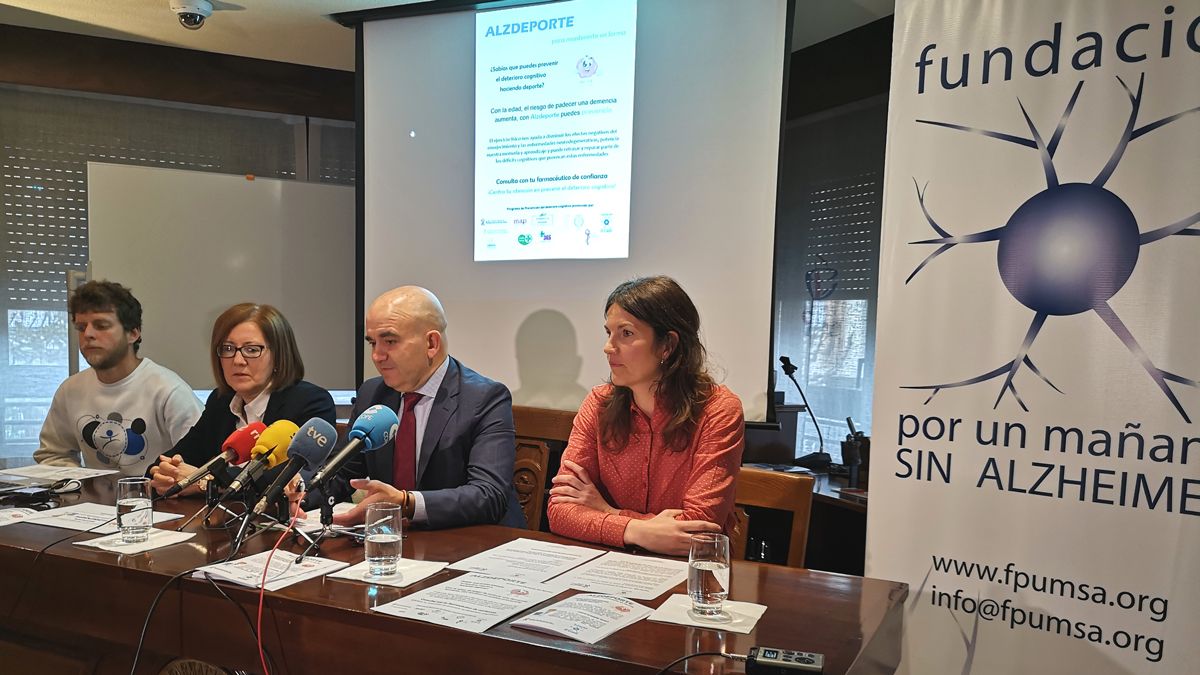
(269, 451)
(310, 446)
(235, 450)
(373, 428)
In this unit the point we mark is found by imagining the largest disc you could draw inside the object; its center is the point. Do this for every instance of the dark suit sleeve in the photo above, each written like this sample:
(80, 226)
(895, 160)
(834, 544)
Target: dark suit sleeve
(484, 498)
(203, 441)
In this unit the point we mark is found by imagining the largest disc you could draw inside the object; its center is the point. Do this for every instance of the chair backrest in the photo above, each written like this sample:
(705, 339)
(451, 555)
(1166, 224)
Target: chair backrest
(739, 536)
(783, 491)
(536, 429)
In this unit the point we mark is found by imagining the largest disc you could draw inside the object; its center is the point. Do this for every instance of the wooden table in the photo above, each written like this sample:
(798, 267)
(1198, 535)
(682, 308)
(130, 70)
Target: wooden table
(81, 610)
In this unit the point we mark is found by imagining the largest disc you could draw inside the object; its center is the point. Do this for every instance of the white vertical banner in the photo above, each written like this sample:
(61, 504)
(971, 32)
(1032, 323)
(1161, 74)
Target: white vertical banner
(1036, 469)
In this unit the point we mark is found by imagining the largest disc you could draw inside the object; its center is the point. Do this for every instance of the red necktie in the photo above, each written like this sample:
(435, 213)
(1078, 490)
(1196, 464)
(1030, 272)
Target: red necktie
(404, 460)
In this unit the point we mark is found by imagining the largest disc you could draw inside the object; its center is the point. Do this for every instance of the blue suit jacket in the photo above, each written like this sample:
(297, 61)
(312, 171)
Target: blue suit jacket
(465, 471)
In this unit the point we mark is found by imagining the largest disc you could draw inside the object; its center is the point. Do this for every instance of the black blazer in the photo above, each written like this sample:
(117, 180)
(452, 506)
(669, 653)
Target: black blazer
(298, 403)
(465, 473)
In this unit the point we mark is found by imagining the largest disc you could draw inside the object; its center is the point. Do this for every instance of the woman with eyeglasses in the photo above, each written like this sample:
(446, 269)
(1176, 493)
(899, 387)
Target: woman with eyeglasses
(258, 370)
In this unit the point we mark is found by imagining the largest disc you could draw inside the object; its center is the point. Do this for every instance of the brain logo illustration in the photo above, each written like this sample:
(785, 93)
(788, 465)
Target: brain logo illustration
(1067, 250)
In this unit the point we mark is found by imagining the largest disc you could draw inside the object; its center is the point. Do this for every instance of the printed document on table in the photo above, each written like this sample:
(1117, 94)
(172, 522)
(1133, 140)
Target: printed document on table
(471, 602)
(58, 472)
(10, 516)
(311, 522)
(157, 539)
(587, 617)
(527, 560)
(89, 517)
(284, 571)
(629, 576)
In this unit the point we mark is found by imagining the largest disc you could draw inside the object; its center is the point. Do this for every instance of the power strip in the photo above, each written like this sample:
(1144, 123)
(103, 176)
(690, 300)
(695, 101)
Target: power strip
(772, 661)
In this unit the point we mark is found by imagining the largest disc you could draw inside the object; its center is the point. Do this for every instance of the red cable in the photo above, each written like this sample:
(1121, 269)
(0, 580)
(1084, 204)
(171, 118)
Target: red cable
(262, 592)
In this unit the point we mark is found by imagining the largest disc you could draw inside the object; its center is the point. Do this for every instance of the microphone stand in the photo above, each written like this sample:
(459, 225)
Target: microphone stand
(269, 522)
(789, 369)
(212, 502)
(314, 545)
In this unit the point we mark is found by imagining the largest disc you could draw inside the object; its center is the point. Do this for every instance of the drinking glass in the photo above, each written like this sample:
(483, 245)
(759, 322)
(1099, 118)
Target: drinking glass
(708, 575)
(135, 515)
(384, 531)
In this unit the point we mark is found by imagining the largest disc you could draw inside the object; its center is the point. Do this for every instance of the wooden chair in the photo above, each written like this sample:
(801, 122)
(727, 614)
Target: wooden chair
(536, 429)
(774, 490)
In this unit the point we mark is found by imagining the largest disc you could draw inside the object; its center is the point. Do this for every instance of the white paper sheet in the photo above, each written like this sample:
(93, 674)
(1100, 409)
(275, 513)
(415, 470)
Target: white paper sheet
(58, 472)
(16, 515)
(527, 560)
(587, 617)
(740, 617)
(284, 571)
(157, 539)
(89, 517)
(312, 522)
(629, 576)
(408, 572)
(472, 602)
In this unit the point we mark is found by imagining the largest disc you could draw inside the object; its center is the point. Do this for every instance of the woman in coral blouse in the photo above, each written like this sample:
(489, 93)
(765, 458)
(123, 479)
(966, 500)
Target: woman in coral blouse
(654, 452)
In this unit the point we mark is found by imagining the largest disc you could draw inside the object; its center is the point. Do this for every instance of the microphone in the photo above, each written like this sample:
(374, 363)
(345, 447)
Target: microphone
(269, 451)
(376, 426)
(235, 450)
(310, 446)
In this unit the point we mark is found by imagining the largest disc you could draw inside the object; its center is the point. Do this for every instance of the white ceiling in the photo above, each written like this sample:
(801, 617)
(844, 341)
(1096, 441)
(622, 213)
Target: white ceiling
(300, 31)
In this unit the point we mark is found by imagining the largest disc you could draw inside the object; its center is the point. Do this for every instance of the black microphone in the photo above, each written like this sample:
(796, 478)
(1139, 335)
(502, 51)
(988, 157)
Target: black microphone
(373, 428)
(235, 450)
(310, 446)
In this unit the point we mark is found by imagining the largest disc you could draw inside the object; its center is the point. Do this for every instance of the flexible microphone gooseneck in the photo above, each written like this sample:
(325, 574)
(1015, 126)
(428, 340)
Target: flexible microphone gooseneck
(790, 370)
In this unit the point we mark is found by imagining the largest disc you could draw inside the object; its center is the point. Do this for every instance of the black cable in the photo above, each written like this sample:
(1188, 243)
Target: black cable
(246, 616)
(56, 542)
(137, 655)
(667, 668)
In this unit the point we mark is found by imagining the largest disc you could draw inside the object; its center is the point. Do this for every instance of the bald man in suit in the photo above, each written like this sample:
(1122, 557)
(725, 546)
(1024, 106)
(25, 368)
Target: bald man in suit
(451, 463)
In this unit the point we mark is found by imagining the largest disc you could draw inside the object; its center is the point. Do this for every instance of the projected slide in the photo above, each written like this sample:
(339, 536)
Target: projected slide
(553, 130)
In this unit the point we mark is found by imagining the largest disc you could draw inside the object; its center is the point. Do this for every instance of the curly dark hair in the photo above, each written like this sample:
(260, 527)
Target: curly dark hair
(684, 384)
(108, 296)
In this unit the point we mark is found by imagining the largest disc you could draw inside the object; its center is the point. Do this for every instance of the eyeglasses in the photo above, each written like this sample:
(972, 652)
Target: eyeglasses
(228, 351)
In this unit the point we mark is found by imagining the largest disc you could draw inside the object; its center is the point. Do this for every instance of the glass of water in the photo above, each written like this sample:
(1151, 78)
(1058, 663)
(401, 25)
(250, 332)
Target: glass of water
(383, 539)
(708, 575)
(134, 512)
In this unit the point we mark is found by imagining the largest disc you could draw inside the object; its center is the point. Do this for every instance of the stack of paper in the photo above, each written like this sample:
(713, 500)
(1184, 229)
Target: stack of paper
(587, 617)
(472, 602)
(527, 560)
(57, 473)
(284, 571)
(89, 517)
(10, 516)
(631, 576)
